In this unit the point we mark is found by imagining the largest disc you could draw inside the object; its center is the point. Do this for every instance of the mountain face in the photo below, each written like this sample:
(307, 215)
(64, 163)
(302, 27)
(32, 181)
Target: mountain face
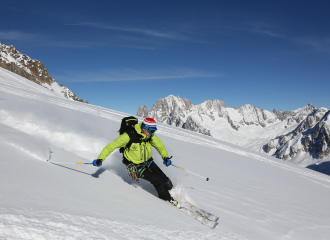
(182, 113)
(177, 112)
(312, 136)
(34, 70)
(281, 134)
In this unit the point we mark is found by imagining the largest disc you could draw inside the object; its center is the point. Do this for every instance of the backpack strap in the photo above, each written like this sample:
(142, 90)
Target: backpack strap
(134, 137)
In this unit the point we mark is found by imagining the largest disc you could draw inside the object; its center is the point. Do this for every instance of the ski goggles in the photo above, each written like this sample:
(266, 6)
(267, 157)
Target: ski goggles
(151, 130)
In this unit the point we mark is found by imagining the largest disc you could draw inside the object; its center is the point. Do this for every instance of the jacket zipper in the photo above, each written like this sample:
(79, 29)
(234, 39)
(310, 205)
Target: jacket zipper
(145, 158)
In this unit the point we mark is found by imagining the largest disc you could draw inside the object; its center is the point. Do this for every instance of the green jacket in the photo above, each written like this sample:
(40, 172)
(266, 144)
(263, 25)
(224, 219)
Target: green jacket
(137, 153)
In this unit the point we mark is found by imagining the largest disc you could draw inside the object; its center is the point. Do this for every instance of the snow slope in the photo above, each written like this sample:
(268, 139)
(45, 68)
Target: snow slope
(256, 196)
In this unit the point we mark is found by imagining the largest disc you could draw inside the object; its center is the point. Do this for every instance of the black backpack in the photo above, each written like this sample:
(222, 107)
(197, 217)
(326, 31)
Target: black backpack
(127, 123)
(127, 126)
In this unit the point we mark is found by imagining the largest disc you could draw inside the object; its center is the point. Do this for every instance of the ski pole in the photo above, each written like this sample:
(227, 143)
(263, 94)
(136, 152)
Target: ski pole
(190, 172)
(69, 163)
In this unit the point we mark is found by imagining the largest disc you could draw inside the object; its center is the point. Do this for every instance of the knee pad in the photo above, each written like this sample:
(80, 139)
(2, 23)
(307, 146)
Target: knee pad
(168, 184)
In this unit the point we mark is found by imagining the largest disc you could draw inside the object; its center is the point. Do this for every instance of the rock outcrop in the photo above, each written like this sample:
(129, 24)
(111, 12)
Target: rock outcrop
(182, 113)
(34, 70)
(312, 135)
(191, 125)
(306, 129)
(143, 111)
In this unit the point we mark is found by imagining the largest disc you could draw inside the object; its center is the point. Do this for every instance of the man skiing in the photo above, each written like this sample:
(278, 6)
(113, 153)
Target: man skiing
(136, 147)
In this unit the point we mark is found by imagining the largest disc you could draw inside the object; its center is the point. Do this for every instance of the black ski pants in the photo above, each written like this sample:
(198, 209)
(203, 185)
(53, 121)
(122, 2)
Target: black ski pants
(156, 177)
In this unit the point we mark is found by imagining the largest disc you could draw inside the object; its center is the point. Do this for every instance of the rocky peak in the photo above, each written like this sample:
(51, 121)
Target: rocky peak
(14, 61)
(177, 102)
(309, 131)
(251, 115)
(213, 105)
(176, 111)
(255, 116)
(312, 135)
(321, 137)
(301, 113)
(192, 125)
(34, 70)
(282, 115)
(143, 111)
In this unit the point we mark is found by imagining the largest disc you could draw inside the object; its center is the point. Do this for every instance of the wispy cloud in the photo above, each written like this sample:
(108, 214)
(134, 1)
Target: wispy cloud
(36, 39)
(134, 75)
(176, 34)
(317, 44)
(18, 35)
(263, 29)
(42, 40)
(68, 44)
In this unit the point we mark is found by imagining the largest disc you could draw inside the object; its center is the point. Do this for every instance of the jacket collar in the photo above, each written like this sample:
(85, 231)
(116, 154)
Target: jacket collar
(139, 131)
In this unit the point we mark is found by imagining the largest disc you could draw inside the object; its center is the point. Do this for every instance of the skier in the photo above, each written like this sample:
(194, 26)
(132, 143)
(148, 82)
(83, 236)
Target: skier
(136, 148)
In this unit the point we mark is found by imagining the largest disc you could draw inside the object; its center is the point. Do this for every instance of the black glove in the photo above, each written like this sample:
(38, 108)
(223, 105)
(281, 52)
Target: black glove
(97, 162)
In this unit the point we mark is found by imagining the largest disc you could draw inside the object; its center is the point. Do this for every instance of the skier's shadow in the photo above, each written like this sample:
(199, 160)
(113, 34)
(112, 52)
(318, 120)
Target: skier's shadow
(71, 169)
(98, 172)
(95, 175)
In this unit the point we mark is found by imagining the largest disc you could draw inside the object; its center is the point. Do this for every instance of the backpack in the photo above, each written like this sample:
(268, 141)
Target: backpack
(127, 126)
(127, 123)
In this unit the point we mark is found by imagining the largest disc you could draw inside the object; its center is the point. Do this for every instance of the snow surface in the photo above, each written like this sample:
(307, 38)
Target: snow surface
(255, 196)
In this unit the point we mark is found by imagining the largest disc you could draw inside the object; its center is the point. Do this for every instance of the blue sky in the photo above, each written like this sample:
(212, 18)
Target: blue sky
(123, 54)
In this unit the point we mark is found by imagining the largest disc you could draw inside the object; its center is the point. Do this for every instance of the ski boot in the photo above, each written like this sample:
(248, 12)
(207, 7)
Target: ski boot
(174, 202)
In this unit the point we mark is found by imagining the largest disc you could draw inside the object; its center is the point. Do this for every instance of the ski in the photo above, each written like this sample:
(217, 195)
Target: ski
(196, 209)
(200, 215)
(202, 212)
(202, 219)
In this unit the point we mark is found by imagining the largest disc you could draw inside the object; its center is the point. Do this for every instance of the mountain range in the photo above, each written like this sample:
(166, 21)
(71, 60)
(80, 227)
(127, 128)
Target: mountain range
(301, 136)
(34, 70)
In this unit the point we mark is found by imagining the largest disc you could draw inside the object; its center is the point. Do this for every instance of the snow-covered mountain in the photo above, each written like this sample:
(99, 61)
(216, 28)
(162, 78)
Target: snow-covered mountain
(255, 195)
(176, 111)
(274, 133)
(34, 70)
(312, 136)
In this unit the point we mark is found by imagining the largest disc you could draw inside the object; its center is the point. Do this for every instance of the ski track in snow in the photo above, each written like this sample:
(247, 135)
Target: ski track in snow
(180, 134)
(31, 224)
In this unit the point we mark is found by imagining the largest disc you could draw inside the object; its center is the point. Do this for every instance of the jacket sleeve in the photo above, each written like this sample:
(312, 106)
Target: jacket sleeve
(159, 145)
(119, 142)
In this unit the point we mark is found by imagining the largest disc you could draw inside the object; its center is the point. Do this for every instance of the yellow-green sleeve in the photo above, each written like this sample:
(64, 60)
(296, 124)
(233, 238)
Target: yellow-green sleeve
(159, 145)
(119, 142)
